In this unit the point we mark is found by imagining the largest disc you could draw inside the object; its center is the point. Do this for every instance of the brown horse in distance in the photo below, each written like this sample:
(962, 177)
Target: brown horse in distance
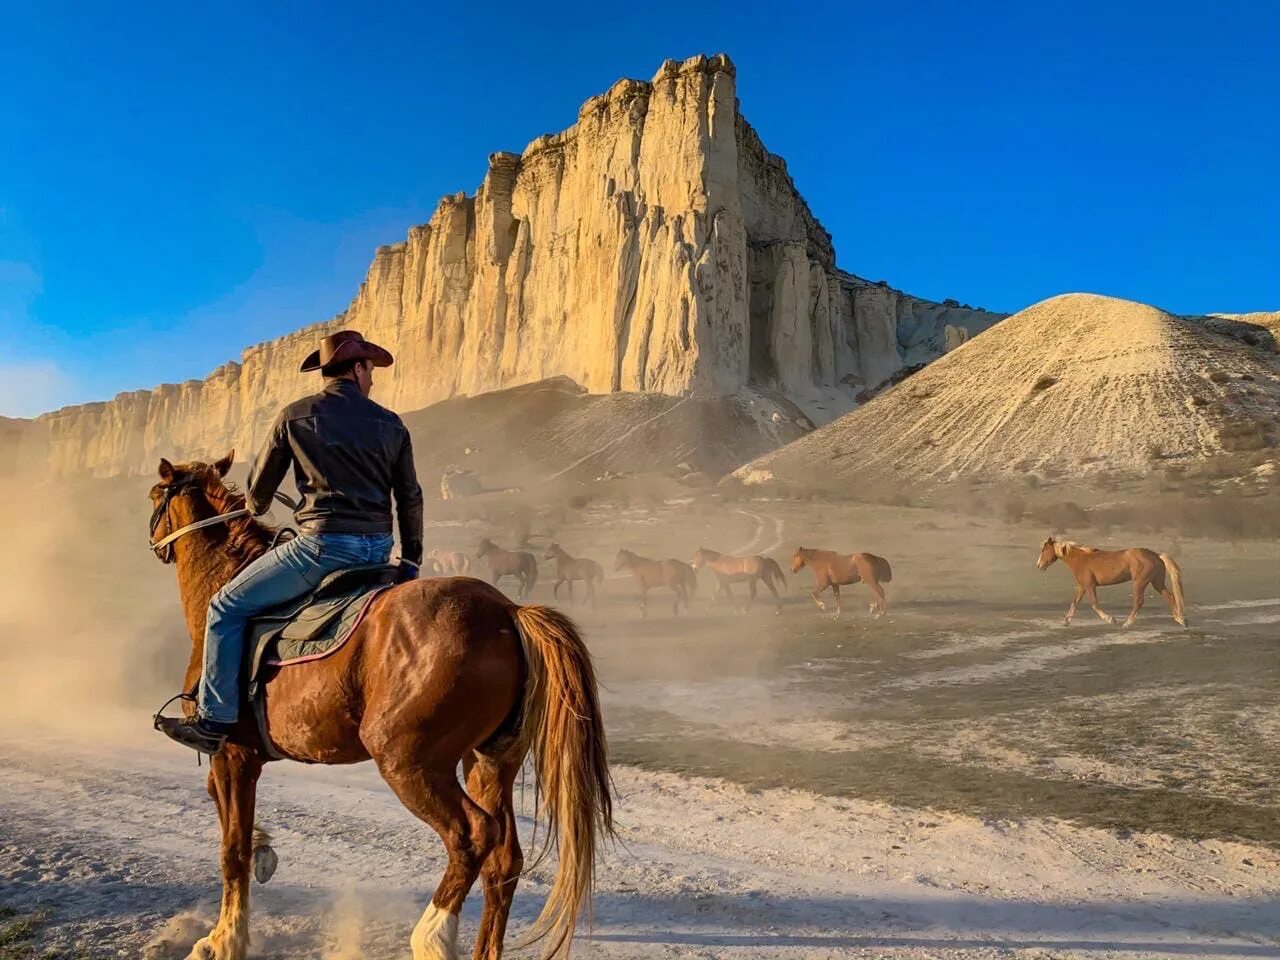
(835, 570)
(729, 569)
(569, 569)
(439, 672)
(1103, 568)
(510, 563)
(673, 574)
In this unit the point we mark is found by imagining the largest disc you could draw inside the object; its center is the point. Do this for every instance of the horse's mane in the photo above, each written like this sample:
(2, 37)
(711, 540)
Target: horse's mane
(247, 538)
(1063, 547)
(710, 554)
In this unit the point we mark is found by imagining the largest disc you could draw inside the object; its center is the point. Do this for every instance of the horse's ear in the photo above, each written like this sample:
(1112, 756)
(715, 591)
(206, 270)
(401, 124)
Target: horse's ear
(223, 465)
(166, 470)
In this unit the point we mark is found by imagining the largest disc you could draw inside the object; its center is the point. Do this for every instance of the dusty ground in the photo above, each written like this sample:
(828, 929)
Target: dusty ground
(965, 778)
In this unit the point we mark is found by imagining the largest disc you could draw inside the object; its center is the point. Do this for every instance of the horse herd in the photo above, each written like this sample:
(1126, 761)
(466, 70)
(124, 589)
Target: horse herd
(1090, 567)
(831, 570)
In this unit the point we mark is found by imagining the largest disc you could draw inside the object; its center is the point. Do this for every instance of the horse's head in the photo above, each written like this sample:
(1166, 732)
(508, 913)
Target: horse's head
(183, 496)
(1048, 554)
(486, 546)
(798, 559)
(699, 558)
(553, 551)
(623, 560)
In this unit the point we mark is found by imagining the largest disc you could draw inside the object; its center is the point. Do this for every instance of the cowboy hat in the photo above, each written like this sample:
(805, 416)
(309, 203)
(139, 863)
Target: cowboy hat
(342, 346)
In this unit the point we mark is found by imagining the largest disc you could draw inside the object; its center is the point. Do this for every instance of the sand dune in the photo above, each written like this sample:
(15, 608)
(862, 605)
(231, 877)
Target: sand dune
(1076, 384)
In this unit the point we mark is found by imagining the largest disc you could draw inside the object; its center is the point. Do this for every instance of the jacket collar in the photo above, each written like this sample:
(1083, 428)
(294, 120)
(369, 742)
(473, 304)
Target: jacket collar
(346, 388)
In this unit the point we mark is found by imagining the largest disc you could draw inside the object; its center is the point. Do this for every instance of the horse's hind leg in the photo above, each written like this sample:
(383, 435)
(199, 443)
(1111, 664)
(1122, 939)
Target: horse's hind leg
(777, 598)
(570, 582)
(751, 596)
(489, 783)
(433, 795)
(1139, 590)
(878, 606)
(233, 779)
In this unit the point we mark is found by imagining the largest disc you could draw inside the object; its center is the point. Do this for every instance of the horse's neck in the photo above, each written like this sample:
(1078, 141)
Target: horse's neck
(203, 570)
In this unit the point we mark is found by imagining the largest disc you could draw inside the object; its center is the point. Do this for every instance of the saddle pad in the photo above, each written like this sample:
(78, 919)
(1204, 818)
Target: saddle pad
(317, 632)
(305, 629)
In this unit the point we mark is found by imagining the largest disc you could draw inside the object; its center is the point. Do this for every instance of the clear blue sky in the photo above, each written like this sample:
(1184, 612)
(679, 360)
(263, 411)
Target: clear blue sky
(178, 182)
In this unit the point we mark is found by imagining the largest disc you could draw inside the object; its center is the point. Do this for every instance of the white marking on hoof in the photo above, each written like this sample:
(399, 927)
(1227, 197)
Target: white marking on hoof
(436, 935)
(265, 862)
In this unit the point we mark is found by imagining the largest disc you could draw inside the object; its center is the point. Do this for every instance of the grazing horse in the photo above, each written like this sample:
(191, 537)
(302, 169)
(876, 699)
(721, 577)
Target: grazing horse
(835, 570)
(1102, 568)
(675, 574)
(729, 569)
(510, 563)
(439, 672)
(569, 569)
(452, 563)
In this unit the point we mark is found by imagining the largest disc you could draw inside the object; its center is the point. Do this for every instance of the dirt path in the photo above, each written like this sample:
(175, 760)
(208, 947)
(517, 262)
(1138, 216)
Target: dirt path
(117, 843)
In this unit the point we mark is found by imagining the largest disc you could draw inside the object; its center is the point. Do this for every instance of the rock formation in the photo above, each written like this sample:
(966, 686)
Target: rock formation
(654, 246)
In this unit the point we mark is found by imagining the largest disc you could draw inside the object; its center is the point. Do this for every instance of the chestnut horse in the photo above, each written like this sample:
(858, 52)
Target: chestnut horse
(439, 672)
(452, 563)
(835, 570)
(729, 569)
(674, 574)
(569, 569)
(510, 563)
(1103, 568)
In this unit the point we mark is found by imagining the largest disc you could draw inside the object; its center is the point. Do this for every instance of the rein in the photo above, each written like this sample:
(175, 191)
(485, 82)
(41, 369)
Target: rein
(163, 548)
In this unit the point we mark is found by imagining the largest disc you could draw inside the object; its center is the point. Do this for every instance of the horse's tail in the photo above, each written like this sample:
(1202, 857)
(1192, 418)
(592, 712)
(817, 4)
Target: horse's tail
(884, 572)
(562, 723)
(530, 573)
(1175, 584)
(597, 574)
(690, 580)
(770, 570)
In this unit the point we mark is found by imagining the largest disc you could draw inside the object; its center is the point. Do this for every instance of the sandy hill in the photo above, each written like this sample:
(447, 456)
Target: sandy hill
(553, 430)
(1075, 384)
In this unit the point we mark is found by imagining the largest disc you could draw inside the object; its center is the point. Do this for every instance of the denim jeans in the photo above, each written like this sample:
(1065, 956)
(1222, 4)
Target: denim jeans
(290, 570)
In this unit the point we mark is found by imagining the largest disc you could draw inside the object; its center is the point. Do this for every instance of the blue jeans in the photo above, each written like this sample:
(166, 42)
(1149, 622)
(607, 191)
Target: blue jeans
(290, 570)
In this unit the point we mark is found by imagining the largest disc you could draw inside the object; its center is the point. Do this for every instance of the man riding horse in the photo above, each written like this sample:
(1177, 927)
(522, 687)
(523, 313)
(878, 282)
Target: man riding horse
(349, 457)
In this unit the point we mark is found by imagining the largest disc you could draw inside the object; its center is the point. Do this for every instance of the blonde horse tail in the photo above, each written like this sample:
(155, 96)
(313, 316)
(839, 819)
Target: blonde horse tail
(884, 572)
(563, 727)
(1175, 584)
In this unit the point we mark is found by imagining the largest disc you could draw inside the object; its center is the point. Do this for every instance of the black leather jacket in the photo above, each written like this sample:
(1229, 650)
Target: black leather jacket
(348, 456)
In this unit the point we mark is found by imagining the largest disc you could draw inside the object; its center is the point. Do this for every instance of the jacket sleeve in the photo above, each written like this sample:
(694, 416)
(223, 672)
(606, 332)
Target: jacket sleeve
(270, 468)
(408, 502)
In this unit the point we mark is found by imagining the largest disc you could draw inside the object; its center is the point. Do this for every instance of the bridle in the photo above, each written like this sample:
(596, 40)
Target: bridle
(163, 548)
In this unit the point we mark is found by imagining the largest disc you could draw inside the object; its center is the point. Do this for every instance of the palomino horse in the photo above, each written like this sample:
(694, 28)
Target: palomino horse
(835, 570)
(1102, 568)
(675, 574)
(510, 563)
(730, 569)
(438, 672)
(452, 563)
(569, 569)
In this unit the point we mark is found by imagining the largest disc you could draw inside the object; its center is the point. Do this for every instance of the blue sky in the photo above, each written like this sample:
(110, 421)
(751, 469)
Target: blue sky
(177, 183)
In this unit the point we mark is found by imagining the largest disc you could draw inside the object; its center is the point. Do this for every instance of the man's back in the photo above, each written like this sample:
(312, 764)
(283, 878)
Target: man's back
(348, 454)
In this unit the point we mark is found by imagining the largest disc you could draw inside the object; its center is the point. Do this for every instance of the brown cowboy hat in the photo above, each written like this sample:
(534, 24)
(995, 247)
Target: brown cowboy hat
(345, 345)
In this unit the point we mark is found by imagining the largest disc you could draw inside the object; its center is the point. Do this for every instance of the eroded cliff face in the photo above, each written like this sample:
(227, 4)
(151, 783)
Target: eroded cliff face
(656, 245)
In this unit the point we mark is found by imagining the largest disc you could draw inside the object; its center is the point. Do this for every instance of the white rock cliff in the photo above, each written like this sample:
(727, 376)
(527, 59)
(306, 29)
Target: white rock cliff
(656, 245)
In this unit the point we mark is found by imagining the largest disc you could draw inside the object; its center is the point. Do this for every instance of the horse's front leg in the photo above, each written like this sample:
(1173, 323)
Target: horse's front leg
(233, 775)
(1071, 610)
(1092, 590)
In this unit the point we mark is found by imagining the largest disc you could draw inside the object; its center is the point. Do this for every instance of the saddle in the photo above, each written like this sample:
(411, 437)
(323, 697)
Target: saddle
(310, 627)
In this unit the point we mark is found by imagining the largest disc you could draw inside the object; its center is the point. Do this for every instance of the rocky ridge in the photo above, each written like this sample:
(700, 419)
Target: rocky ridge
(654, 246)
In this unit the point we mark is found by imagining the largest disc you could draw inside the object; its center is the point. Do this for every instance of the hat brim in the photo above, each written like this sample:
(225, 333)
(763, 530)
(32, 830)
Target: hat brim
(350, 350)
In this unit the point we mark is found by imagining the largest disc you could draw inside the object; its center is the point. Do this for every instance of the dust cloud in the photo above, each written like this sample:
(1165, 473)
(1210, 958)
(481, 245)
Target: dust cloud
(90, 628)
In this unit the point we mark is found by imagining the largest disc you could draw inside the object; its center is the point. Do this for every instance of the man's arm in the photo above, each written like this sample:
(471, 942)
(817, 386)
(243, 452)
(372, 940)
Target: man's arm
(270, 468)
(408, 503)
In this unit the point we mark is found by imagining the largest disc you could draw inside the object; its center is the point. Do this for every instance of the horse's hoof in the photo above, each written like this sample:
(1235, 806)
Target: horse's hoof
(265, 862)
